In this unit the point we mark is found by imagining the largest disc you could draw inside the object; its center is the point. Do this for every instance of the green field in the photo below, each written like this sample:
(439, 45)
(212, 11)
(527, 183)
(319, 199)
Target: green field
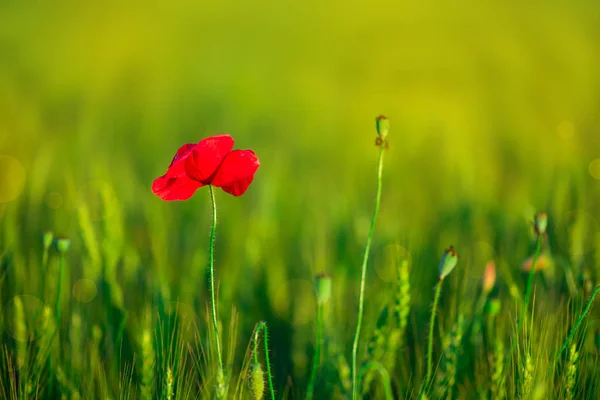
(494, 112)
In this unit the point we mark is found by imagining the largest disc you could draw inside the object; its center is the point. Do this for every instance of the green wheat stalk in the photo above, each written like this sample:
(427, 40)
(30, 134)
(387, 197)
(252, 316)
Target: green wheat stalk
(385, 377)
(586, 310)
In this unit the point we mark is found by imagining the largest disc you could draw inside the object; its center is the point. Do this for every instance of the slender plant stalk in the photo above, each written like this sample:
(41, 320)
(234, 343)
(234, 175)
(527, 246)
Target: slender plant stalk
(211, 258)
(317, 356)
(436, 299)
(61, 267)
(586, 310)
(385, 377)
(524, 310)
(262, 325)
(536, 255)
(361, 299)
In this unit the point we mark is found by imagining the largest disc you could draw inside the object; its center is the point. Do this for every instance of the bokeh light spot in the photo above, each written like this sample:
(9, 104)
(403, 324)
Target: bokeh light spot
(12, 178)
(85, 290)
(565, 130)
(301, 295)
(54, 200)
(388, 262)
(594, 168)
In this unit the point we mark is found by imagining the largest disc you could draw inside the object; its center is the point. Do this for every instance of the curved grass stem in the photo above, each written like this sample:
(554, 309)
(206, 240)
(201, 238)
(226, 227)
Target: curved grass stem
(364, 274)
(385, 377)
(586, 310)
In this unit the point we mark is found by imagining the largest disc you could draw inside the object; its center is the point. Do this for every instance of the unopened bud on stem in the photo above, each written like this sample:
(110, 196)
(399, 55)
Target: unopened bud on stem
(323, 284)
(448, 262)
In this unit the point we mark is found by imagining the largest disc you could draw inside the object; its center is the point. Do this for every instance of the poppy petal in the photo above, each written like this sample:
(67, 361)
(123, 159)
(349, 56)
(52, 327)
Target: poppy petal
(177, 167)
(206, 156)
(179, 188)
(236, 172)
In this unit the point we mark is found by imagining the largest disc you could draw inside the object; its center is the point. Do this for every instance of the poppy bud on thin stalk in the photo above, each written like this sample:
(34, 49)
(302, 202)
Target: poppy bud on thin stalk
(47, 239)
(540, 223)
(63, 245)
(448, 262)
(489, 277)
(382, 123)
(323, 286)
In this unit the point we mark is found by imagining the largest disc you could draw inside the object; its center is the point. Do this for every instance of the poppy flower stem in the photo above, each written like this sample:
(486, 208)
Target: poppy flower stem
(364, 275)
(317, 355)
(211, 258)
(436, 300)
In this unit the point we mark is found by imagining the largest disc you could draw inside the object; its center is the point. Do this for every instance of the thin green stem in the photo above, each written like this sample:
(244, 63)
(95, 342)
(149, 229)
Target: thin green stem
(586, 310)
(524, 310)
(211, 259)
(317, 356)
(262, 325)
(61, 267)
(436, 299)
(361, 298)
(385, 377)
(536, 255)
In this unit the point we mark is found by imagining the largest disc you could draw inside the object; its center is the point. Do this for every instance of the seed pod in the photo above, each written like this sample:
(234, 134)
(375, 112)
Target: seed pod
(540, 223)
(47, 239)
(256, 381)
(63, 245)
(323, 285)
(448, 262)
(382, 123)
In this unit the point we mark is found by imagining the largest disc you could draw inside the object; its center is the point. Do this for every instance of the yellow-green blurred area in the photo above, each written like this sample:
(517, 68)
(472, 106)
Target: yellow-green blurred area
(480, 95)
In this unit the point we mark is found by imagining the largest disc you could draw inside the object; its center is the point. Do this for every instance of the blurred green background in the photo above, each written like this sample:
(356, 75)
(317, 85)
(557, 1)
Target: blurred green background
(494, 111)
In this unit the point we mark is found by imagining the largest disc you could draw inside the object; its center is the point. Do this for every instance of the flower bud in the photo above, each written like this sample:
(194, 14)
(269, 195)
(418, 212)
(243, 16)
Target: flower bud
(541, 263)
(448, 262)
(493, 307)
(540, 223)
(323, 285)
(489, 277)
(47, 239)
(63, 245)
(382, 123)
(256, 381)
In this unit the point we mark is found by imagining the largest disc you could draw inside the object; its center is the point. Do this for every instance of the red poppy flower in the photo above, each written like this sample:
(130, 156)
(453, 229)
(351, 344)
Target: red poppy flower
(210, 162)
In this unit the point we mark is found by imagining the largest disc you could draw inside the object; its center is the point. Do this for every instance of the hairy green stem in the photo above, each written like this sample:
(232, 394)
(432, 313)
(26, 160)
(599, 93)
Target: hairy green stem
(262, 325)
(385, 377)
(436, 299)
(361, 298)
(586, 310)
(317, 356)
(211, 259)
